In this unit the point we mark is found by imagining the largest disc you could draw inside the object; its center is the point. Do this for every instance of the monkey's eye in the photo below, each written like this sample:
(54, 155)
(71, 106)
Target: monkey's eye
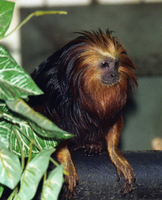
(117, 63)
(105, 64)
(124, 52)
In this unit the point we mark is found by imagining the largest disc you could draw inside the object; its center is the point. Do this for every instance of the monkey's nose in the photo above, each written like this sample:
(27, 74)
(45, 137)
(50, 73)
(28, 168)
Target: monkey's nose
(112, 75)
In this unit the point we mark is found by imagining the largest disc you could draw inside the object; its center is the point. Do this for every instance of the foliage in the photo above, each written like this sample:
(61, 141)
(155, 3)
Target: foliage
(24, 132)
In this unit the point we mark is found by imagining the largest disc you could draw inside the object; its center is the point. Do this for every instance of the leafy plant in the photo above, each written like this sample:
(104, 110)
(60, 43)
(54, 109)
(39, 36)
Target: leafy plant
(24, 132)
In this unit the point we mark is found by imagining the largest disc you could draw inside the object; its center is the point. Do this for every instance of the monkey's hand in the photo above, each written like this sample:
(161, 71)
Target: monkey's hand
(124, 167)
(118, 159)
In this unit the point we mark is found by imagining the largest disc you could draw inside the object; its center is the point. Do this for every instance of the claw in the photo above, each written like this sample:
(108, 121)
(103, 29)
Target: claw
(127, 187)
(129, 177)
(123, 167)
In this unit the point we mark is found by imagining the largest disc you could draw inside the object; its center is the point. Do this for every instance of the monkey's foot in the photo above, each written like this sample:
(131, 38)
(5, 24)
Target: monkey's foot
(64, 157)
(129, 176)
(91, 148)
(71, 181)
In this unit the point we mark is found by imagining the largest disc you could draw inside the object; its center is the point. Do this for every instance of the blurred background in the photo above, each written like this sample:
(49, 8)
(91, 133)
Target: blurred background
(137, 23)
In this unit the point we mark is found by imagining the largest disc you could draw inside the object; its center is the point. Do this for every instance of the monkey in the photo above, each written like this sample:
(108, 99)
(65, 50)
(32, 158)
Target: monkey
(86, 85)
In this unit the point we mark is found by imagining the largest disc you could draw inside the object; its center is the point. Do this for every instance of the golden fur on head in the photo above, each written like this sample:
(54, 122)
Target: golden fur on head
(96, 48)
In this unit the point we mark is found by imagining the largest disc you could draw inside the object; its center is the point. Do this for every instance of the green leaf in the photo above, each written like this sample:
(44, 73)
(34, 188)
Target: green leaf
(5, 127)
(1, 190)
(9, 167)
(5, 133)
(3, 107)
(33, 174)
(51, 130)
(26, 138)
(57, 134)
(53, 184)
(11, 135)
(15, 132)
(14, 81)
(6, 12)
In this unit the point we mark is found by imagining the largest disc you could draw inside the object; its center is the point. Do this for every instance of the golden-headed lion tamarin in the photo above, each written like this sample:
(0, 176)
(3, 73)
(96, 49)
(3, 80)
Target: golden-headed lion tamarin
(85, 86)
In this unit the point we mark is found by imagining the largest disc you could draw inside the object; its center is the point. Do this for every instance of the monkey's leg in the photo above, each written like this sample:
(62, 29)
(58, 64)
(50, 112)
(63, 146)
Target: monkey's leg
(64, 157)
(117, 158)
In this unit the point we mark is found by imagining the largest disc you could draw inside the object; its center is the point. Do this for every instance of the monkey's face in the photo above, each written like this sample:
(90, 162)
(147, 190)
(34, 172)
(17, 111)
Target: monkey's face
(103, 67)
(103, 59)
(109, 70)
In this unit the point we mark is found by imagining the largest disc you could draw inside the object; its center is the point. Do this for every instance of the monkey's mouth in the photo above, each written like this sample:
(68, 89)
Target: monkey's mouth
(111, 79)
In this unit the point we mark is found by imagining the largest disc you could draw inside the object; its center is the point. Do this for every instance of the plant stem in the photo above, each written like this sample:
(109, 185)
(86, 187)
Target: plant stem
(37, 13)
(13, 194)
(44, 179)
(30, 152)
(56, 164)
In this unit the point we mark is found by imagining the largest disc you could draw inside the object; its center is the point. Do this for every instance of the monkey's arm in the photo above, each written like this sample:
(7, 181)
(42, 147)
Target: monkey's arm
(117, 158)
(64, 157)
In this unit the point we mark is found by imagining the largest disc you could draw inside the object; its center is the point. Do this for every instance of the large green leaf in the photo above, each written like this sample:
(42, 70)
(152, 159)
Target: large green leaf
(6, 12)
(53, 184)
(33, 174)
(58, 134)
(26, 138)
(14, 81)
(51, 130)
(9, 167)
(16, 132)
(17, 137)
